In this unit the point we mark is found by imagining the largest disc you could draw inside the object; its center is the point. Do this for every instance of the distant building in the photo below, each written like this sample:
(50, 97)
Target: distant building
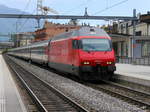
(22, 39)
(142, 29)
(112, 29)
(51, 29)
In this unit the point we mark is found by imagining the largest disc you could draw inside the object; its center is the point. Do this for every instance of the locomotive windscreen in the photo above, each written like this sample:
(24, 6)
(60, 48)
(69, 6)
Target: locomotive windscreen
(93, 44)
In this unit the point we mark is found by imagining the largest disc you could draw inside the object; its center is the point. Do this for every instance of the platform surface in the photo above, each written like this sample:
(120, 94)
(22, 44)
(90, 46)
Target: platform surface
(10, 99)
(137, 71)
(133, 73)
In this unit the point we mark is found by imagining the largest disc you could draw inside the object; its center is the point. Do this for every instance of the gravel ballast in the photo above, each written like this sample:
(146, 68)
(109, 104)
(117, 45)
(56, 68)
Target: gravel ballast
(88, 97)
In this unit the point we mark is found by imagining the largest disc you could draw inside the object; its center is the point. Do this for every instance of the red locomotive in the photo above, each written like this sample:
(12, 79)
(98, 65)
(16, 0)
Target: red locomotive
(86, 52)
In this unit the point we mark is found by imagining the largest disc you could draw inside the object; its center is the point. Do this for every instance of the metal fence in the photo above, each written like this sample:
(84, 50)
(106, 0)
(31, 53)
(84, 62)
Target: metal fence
(136, 61)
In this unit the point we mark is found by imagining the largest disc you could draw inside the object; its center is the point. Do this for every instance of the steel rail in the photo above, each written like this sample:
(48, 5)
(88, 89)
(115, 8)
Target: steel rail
(56, 91)
(128, 88)
(31, 93)
(132, 90)
(139, 102)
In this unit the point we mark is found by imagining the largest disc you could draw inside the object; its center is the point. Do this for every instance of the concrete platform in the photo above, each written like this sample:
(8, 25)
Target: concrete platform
(10, 99)
(133, 73)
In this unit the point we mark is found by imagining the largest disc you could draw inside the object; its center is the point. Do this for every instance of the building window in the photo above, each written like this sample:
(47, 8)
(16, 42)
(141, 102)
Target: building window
(138, 33)
(146, 49)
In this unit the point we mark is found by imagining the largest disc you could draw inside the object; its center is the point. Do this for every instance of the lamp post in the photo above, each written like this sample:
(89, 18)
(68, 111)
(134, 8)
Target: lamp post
(133, 37)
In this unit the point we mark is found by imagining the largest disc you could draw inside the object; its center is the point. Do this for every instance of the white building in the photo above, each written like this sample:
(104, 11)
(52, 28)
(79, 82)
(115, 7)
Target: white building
(142, 39)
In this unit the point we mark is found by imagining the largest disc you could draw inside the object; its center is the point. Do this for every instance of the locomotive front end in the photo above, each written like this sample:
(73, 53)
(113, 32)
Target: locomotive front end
(97, 59)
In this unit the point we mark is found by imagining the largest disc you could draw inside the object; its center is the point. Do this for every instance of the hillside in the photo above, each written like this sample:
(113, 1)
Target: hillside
(9, 25)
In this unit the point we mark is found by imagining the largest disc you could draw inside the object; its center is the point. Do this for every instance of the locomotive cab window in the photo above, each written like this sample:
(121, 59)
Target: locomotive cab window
(94, 44)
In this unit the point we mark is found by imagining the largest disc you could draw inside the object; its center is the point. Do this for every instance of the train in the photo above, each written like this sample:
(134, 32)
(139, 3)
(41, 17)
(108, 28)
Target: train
(86, 52)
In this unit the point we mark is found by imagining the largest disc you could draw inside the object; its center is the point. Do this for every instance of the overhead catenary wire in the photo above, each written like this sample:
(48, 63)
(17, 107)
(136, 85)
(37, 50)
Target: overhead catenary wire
(41, 8)
(84, 4)
(26, 7)
(77, 7)
(22, 26)
(107, 8)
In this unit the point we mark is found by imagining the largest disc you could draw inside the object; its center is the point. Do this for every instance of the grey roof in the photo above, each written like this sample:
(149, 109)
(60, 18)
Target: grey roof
(83, 31)
(39, 44)
(92, 31)
(36, 44)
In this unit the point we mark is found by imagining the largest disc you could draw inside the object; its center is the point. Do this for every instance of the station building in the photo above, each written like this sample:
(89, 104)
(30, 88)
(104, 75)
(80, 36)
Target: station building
(122, 35)
(22, 39)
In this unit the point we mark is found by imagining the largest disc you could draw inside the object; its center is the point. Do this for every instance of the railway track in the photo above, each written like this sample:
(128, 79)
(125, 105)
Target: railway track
(46, 97)
(130, 95)
(133, 96)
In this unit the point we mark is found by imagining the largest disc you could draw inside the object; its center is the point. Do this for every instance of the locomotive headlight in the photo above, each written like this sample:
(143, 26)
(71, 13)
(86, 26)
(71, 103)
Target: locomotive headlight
(86, 63)
(109, 63)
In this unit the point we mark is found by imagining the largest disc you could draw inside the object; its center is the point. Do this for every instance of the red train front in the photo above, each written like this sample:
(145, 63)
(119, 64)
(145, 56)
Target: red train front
(86, 52)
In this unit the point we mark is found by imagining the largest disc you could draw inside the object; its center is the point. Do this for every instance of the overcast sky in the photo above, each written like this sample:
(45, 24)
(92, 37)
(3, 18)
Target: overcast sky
(76, 7)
